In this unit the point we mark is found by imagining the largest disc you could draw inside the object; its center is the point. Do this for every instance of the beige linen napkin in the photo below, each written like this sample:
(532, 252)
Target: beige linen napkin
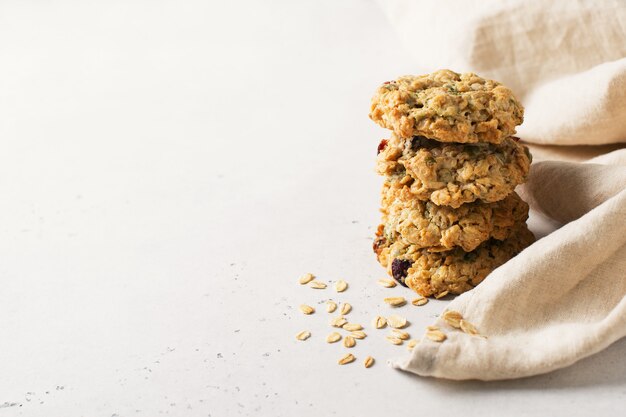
(564, 297)
(565, 60)
(561, 299)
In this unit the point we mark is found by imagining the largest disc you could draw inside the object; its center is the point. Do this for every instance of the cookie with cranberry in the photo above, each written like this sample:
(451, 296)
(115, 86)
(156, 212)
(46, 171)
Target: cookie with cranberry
(454, 271)
(448, 107)
(440, 228)
(452, 174)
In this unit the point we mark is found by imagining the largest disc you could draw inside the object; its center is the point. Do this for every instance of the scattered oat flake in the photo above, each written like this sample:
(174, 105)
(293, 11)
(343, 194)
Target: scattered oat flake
(411, 344)
(317, 285)
(368, 362)
(432, 327)
(331, 306)
(436, 335)
(349, 341)
(394, 340)
(347, 359)
(358, 334)
(442, 294)
(351, 327)
(395, 301)
(395, 321)
(341, 286)
(303, 335)
(419, 301)
(468, 327)
(346, 308)
(306, 278)
(400, 334)
(379, 322)
(338, 321)
(333, 337)
(307, 309)
(387, 283)
(453, 318)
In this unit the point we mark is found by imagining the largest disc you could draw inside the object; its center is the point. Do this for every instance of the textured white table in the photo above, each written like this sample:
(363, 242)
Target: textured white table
(168, 170)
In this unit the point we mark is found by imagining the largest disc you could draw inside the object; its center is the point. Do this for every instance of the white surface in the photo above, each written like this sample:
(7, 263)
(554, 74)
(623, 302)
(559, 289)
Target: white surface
(168, 170)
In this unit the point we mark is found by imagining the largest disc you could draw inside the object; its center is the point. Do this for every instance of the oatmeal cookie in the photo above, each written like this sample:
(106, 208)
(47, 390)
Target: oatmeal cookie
(447, 107)
(451, 174)
(455, 271)
(441, 228)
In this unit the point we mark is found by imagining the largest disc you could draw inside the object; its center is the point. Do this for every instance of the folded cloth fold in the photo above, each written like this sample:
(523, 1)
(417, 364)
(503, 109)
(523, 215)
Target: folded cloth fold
(561, 299)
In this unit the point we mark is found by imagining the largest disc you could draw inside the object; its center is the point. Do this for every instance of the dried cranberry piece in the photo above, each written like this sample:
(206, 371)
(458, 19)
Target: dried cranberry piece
(382, 145)
(515, 138)
(399, 268)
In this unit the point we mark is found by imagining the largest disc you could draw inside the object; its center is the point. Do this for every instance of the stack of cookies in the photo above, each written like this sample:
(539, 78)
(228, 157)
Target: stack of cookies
(450, 213)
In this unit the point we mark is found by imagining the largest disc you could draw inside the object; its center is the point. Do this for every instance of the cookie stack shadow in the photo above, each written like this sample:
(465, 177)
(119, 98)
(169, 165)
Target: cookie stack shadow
(450, 214)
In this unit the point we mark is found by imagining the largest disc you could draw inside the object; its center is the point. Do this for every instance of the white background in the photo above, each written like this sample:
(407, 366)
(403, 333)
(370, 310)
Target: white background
(168, 170)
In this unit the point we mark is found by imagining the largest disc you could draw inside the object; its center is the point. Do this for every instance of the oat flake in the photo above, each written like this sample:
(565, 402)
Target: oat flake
(395, 301)
(453, 318)
(333, 337)
(395, 321)
(419, 301)
(468, 327)
(349, 341)
(306, 278)
(307, 309)
(341, 286)
(379, 322)
(346, 308)
(436, 335)
(351, 327)
(303, 335)
(358, 334)
(387, 283)
(394, 340)
(346, 359)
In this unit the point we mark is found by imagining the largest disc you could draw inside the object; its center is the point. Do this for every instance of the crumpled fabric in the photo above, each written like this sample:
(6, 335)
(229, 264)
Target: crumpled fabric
(564, 297)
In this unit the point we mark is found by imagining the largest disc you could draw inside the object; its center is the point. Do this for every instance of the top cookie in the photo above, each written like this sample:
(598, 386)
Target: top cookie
(447, 107)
